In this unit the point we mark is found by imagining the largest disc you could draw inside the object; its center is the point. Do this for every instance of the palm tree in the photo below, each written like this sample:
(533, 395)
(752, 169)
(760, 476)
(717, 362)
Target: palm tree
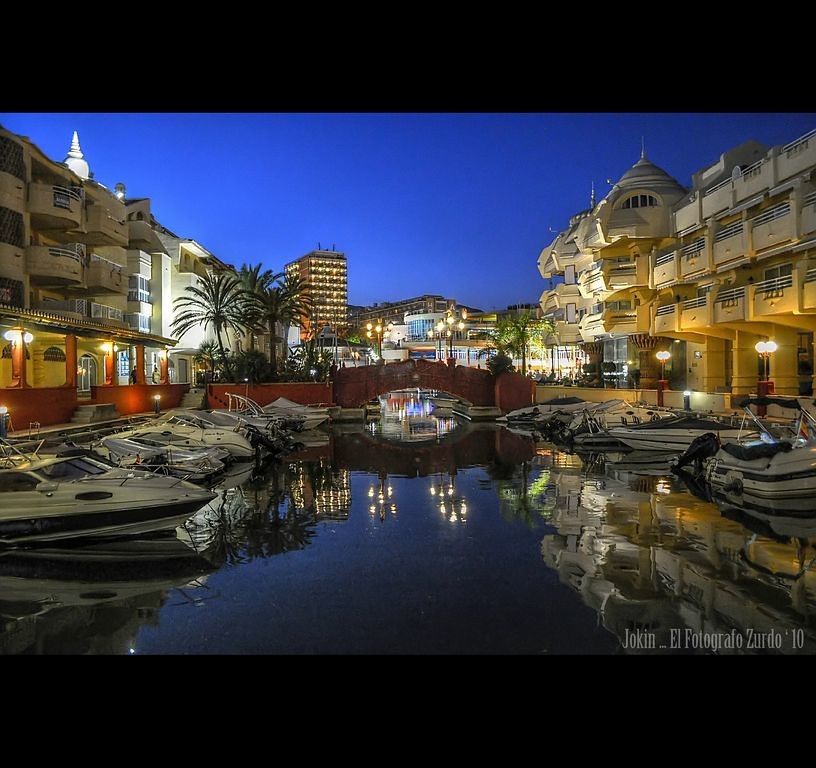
(514, 334)
(217, 302)
(206, 354)
(255, 282)
(287, 302)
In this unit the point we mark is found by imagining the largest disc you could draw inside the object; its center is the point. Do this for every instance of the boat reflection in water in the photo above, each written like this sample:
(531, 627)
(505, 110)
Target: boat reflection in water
(668, 573)
(409, 417)
(92, 598)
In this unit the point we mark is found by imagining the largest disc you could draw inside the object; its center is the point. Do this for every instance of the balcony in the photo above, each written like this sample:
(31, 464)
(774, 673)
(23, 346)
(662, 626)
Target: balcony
(53, 266)
(621, 322)
(592, 325)
(693, 259)
(591, 282)
(103, 276)
(772, 226)
(729, 306)
(688, 217)
(797, 156)
(777, 296)
(695, 313)
(718, 198)
(730, 244)
(54, 207)
(570, 333)
(620, 275)
(82, 309)
(666, 269)
(550, 302)
(809, 290)
(666, 319)
(105, 227)
(754, 179)
(808, 219)
(107, 314)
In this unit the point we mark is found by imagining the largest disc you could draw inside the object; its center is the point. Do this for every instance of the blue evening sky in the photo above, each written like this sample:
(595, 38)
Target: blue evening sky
(457, 204)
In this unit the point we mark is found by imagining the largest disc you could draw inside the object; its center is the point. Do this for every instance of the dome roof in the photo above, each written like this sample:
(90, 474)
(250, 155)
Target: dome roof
(644, 174)
(75, 160)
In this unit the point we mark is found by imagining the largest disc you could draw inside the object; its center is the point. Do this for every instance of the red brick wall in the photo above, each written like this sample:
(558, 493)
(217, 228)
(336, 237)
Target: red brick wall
(138, 398)
(305, 393)
(51, 405)
(514, 391)
(355, 386)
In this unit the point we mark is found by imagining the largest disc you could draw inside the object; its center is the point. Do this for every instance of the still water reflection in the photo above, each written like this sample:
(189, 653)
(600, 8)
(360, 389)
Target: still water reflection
(470, 540)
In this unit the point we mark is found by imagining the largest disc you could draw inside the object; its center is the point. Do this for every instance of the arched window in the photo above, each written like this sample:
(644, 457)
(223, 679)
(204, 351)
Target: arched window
(54, 355)
(641, 201)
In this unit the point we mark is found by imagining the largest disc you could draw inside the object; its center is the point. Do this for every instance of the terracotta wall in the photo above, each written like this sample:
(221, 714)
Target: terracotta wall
(305, 393)
(53, 405)
(514, 391)
(138, 398)
(355, 386)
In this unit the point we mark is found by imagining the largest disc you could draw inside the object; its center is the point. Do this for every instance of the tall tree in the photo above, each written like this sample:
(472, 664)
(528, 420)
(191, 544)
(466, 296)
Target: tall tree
(515, 334)
(217, 302)
(285, 302)
(255, 280)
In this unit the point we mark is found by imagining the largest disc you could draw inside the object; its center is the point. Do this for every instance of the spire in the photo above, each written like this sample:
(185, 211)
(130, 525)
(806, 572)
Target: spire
(75, 160)
(642, 148)
(592, 196)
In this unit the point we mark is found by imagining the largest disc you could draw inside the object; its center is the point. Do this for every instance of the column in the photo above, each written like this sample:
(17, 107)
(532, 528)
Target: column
(164, 368)
(107, 361)
(140, 364)
(746, 363)
(19, 377)
(647, 347)
(713, 364)
(594, 355)
(783, 365)
(71, 361)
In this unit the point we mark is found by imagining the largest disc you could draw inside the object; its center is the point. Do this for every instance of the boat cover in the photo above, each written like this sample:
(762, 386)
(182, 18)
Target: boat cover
(760, 450)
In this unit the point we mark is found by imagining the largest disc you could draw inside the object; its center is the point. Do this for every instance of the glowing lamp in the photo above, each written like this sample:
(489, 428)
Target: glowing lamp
(28, 338)
(10, 335)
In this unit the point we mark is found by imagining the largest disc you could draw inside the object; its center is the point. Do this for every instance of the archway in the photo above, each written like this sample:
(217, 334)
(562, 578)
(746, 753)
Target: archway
(86, 374)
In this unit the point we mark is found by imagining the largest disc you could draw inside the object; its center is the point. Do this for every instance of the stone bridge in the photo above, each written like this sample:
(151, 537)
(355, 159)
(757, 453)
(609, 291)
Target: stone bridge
(353, 387)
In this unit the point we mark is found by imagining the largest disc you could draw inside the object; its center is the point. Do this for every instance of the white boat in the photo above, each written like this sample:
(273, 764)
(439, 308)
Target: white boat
(184, 428)
(313, 415)
(770, 476)
(589, 429)
(77, 496)
(675, 434)
(545, 409)
(194, 464)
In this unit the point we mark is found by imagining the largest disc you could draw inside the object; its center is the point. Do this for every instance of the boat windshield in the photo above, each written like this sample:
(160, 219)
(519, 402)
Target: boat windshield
(76, 467)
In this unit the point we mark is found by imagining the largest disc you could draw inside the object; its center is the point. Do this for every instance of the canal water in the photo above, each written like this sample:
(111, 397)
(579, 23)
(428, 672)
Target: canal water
(418, 535)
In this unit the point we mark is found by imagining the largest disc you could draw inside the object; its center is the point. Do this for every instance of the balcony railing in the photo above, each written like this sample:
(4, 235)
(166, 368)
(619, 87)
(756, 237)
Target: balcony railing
(106, 262)
(63, 196)
(104, 312)
(668, 309)
(799, 144)
(664, 259)
(810, 276)
(732, 295)
(753, 170)
(716, 188)
(777, 212)
(729, 231)
(774, 284)
(700, 301)
(690, 251)
(809, 199)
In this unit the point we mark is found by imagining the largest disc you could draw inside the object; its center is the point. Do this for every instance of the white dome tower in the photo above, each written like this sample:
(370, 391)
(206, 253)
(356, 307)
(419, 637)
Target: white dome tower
(76, 160)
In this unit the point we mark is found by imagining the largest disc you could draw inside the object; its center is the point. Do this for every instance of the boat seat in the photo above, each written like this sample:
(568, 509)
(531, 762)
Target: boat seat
(753, 451)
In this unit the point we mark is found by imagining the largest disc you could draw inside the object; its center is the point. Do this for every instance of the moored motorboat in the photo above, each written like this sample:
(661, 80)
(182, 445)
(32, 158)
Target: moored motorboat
(676, 434)
(77, 496)
(776, 477)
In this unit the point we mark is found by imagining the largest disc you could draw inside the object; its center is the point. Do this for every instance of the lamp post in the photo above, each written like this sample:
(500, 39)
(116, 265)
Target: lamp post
(455, 322)
(765, 386)
(378, 330)
(662, 385)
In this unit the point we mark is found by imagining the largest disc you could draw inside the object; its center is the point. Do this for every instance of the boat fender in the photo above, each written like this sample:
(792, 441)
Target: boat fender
(733, 483)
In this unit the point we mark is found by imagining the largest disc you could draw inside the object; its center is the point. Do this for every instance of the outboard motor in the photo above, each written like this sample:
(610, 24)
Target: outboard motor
(701, 448)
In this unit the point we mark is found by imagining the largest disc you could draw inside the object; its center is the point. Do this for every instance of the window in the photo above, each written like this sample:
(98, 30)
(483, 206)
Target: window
(569, 275)
(781, 270)
(138, 289)
(18, 481)
(641, 201)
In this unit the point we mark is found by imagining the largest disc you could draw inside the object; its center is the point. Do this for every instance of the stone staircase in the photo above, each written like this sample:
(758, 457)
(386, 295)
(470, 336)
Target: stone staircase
(88, 414)
(194, 398)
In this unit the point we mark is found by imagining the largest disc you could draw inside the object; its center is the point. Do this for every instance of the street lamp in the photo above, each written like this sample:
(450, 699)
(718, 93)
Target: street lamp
(663, 356)
(765, 386)
(455, 322)
(378, 330)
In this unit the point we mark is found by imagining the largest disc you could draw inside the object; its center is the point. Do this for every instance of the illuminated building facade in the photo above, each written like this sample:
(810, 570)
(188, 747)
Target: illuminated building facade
(326, 272)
